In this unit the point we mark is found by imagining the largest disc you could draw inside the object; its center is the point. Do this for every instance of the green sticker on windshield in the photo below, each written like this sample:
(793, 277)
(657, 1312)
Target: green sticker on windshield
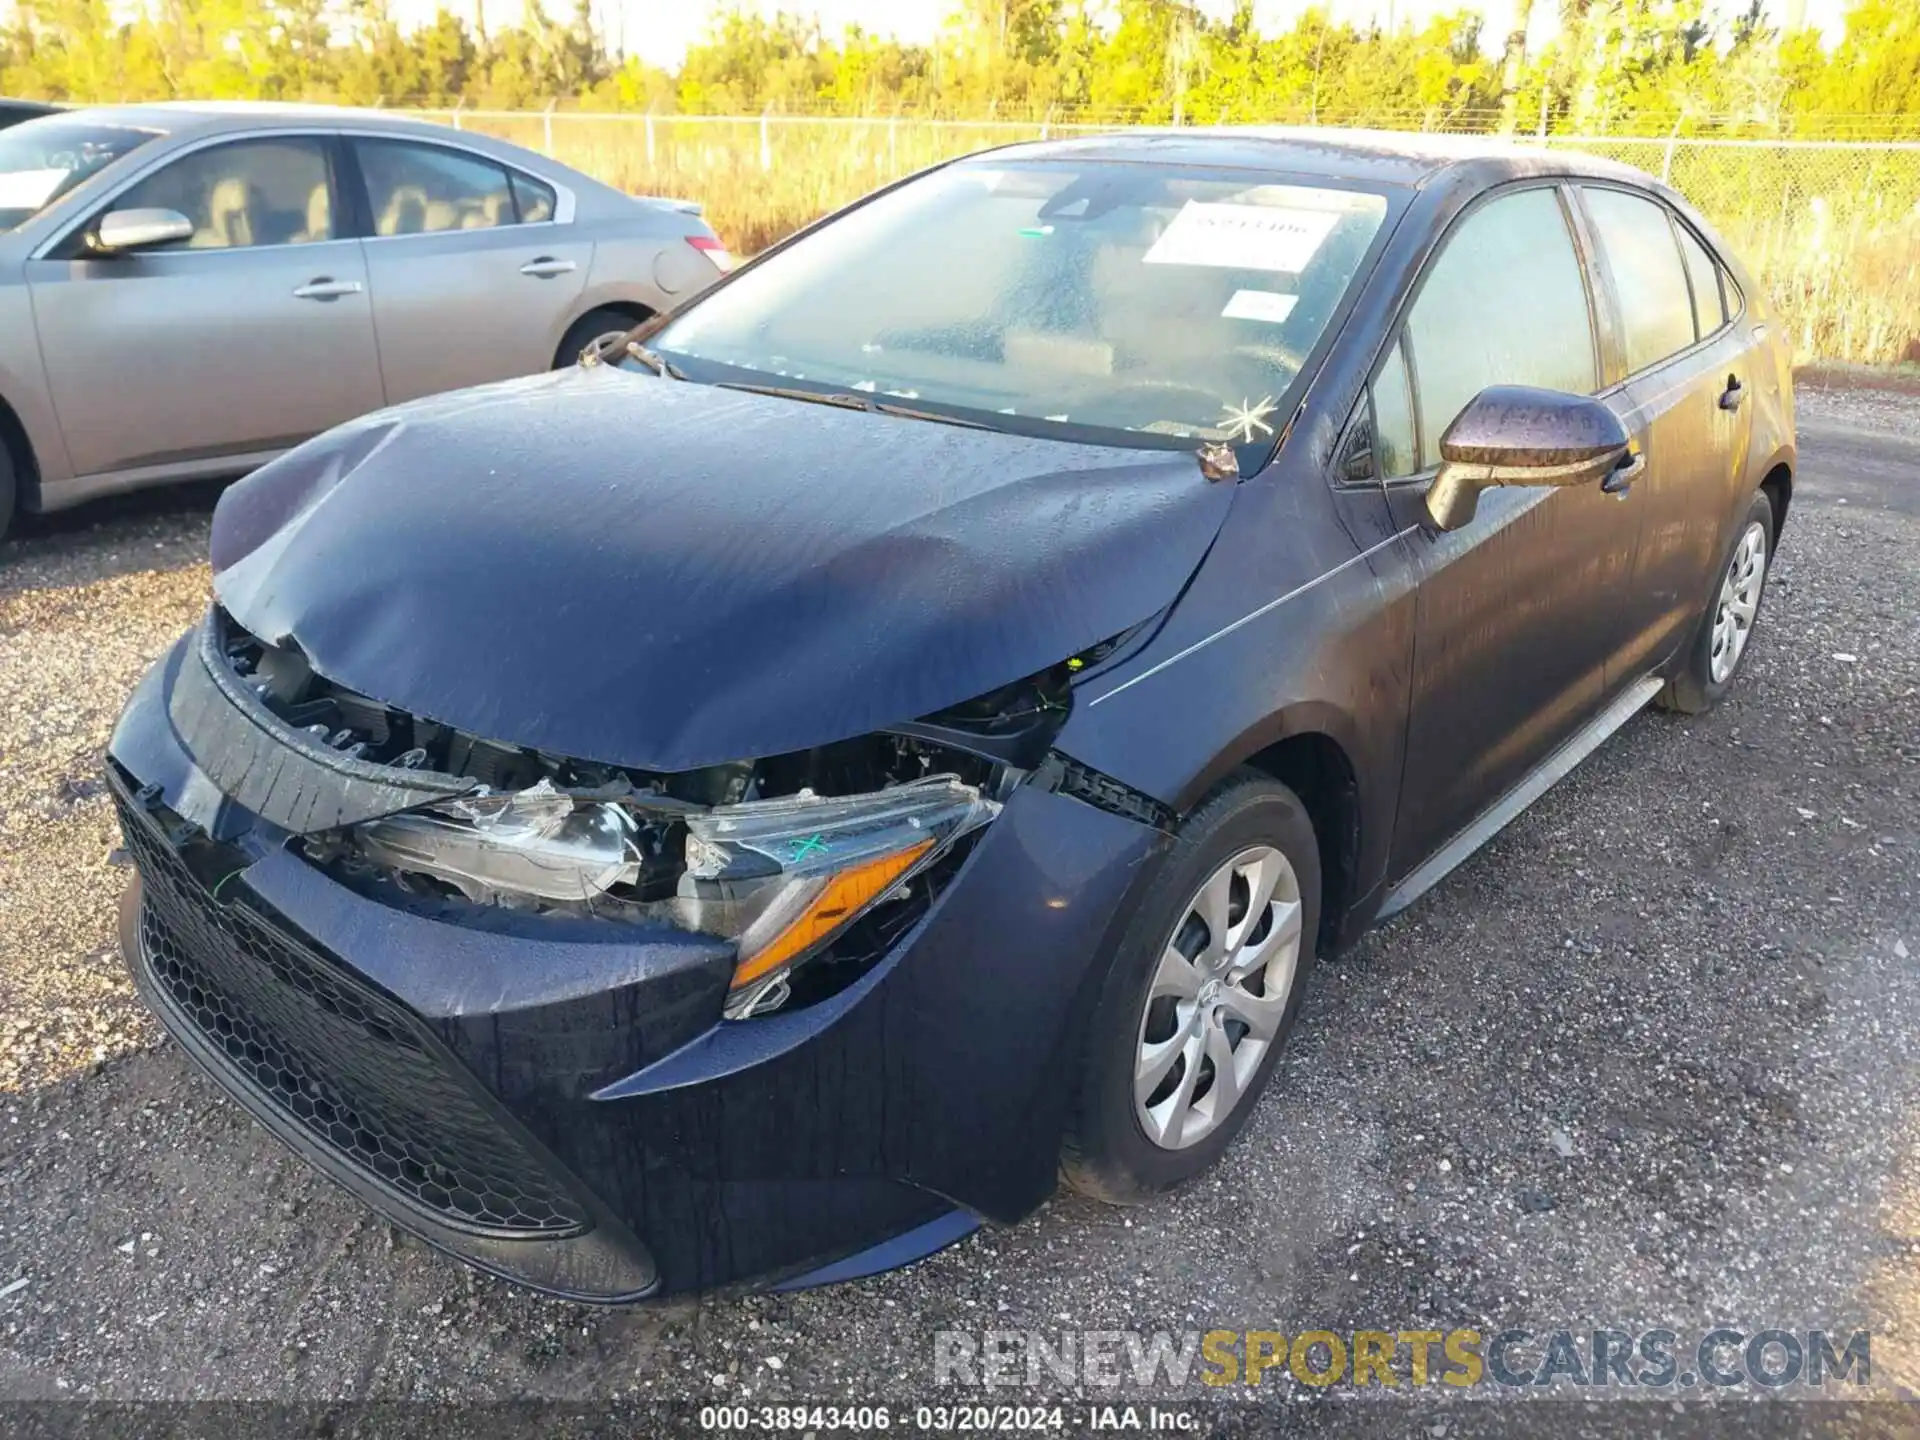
(1036, 231)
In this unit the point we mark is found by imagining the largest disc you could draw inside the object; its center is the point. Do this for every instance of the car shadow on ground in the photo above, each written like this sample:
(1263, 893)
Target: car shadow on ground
(163, 528)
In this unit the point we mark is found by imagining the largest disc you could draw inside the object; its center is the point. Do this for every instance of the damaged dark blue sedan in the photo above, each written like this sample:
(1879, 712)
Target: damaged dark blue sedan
(896, 733)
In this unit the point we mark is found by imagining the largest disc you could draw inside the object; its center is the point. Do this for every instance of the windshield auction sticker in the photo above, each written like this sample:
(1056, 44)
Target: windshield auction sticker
(1242, 237)
(1269, 306)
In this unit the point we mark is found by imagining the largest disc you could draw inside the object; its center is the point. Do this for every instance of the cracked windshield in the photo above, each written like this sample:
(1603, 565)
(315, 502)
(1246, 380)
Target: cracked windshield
(1143, 299)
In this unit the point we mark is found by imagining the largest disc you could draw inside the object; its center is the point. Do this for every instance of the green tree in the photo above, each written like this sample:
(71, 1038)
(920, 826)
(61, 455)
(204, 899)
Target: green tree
(1623, 66)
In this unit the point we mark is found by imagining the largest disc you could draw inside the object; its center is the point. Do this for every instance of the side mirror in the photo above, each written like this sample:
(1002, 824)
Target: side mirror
(123, 230)
(1517, 435)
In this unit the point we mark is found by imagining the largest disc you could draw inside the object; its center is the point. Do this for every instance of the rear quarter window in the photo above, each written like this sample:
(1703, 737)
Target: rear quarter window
(533, 197)
(1709, 292)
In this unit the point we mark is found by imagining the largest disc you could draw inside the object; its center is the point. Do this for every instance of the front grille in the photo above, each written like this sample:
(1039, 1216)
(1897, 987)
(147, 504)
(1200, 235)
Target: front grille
(353, 1069)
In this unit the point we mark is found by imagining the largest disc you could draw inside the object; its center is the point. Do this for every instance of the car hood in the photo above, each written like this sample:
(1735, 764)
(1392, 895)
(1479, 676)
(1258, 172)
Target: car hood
(667, 575)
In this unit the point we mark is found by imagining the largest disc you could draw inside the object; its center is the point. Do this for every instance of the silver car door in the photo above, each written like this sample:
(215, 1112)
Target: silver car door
(209, 353)
(475, 269)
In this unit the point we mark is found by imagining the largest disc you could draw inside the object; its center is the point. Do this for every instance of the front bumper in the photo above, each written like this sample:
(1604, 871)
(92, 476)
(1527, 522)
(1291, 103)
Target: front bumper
(560, 1102)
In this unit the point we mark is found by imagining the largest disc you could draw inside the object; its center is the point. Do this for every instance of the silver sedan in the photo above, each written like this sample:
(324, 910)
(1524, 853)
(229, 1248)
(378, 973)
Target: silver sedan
(188, 290)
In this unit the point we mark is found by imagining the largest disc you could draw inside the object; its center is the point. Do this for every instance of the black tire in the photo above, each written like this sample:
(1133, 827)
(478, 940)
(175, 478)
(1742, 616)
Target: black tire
(607, 320)
(1692, 690)
(9, 490)
(1106, 1151)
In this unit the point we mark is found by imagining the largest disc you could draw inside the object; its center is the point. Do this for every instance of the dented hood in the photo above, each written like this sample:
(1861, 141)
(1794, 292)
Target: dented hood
(667, 575)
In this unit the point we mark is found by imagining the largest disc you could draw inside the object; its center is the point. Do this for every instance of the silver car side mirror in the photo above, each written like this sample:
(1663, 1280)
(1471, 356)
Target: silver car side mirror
(123, 230)
(1518, 435)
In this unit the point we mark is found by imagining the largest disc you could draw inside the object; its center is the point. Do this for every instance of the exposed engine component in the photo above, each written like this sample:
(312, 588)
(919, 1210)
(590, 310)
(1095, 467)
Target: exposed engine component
(366, 729)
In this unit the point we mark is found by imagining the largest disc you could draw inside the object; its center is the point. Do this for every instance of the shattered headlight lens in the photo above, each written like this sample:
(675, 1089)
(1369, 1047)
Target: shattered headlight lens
(779, 877)
(532, 845)
(784, 876)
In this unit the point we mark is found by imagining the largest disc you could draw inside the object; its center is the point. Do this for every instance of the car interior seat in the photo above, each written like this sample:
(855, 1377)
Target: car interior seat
(319, 220)
(231, 217)
(405, 212)
(496, 209)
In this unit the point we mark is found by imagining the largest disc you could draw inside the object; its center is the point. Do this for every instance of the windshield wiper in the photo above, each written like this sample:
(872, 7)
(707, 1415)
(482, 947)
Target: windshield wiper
(612, 351)
(846, 400)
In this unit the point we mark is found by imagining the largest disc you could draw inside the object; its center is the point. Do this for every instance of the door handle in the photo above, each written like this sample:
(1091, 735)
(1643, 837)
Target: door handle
(325, 287)
(1731, 397)
(1620, 479)
(546, 267)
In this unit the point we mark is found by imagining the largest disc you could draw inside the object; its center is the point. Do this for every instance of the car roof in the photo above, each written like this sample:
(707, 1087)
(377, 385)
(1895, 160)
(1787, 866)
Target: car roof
(183, 117)
(1386, 157)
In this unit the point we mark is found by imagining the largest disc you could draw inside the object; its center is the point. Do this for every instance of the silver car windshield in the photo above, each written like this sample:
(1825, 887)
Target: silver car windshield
(41, 160)
(1149, 301)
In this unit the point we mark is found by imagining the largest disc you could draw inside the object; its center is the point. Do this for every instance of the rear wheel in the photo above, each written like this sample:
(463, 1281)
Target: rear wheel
(1201, 997)
(592, 328)
(1726, 626)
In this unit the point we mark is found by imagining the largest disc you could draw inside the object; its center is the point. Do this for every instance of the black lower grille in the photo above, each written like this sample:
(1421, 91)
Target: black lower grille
(355, 1070)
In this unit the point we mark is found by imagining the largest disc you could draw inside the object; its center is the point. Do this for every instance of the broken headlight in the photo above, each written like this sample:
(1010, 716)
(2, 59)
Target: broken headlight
(784, 876)
(537, 844)
(781, 877)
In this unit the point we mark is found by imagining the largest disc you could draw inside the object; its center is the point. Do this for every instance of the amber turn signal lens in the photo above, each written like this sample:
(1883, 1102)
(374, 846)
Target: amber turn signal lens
(844, 896)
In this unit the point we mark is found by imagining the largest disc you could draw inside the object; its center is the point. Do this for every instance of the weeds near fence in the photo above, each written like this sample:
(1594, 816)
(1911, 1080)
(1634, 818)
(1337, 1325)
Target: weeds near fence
(1830, 230)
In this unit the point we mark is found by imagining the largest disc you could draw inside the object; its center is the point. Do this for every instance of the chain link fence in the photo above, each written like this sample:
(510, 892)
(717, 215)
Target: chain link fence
(1831, 228)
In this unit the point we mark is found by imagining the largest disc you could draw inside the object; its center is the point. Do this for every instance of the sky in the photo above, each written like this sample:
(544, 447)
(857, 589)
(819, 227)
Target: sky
(659, 31)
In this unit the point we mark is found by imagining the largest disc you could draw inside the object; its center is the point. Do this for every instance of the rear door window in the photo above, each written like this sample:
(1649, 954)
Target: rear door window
(1504, 304)
(428, 189)
(1637, 241)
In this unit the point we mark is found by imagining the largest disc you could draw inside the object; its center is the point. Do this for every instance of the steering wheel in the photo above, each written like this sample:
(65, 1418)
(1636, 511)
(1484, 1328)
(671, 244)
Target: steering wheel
(1154, 384)
(1161, 385)
(1110, 390)
(1271, 353)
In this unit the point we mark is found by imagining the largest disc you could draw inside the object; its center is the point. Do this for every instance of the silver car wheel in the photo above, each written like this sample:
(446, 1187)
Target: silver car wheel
(1739, 602)
(1217, 997)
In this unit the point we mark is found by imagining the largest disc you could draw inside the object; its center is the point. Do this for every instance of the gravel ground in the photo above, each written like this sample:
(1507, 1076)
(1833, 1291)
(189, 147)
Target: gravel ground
(1647, 1059)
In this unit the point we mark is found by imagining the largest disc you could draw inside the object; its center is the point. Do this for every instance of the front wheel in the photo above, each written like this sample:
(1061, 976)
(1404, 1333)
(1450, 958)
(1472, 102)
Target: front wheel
(1201, 997)
(1726, 627)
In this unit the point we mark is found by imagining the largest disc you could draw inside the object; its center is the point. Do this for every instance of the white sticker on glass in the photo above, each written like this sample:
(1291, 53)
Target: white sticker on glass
(1268, 305)
(28, 189)
(1242, 237)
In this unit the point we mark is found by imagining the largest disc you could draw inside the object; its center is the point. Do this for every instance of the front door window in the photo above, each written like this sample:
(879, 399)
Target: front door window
(252, 192)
